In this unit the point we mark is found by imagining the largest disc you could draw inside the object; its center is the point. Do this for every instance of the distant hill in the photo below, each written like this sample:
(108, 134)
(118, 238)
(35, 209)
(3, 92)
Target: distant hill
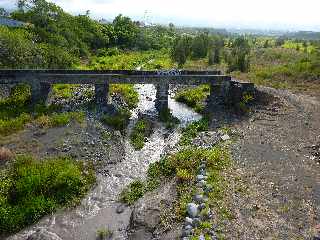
(304, 35)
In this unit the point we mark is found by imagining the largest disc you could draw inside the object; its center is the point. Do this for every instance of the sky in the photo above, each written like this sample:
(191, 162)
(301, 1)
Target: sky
(257, 14)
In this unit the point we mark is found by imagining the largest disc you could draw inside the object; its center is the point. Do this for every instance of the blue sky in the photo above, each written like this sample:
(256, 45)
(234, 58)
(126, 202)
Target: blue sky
(271, 14)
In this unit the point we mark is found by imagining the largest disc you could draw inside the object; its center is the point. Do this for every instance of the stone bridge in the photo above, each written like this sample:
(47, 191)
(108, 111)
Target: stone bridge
(42, 80)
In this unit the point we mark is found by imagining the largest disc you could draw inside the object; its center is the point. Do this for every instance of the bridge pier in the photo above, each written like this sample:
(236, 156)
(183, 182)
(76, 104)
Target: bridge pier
(40, 92)
(219, 94)
(101, 94)
(162, 96)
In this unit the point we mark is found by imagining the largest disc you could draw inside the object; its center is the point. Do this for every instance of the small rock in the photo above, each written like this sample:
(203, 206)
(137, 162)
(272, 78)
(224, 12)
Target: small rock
(225, 137)
(201, 237)
(202, 206)
(188, 227)
(200, 177)
(120, 209)
(196, 222)
(192, 210)
(198, 198)
(188, 221)
(201, 183)
(186, 233)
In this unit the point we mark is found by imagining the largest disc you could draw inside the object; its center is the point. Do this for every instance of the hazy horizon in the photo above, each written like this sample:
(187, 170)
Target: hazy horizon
(247, 14)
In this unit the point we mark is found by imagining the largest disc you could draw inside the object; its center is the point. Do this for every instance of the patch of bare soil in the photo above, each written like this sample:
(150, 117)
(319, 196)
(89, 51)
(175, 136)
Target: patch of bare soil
(275, 183)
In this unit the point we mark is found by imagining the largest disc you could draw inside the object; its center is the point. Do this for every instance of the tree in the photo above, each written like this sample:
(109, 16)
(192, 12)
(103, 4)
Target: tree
(239, 59)
(217, 44)
(4, 13)
(126, 31)
(200, 45)
(181, 49)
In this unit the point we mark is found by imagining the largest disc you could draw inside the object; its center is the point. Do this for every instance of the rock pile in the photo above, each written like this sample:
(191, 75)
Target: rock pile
(198, 210)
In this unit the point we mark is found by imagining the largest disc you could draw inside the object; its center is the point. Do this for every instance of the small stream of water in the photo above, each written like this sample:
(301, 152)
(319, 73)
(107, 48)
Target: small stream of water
(98, 208)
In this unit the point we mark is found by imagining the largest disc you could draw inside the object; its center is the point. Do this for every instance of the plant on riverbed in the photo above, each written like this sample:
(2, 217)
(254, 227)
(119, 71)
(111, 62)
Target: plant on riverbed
(104, 234)
(60, 119)
(118, 121)
(30, 189)
(191, 131)
(166, 117)
(127, 91)
(141, 130)
(194, 97)
(133, 192)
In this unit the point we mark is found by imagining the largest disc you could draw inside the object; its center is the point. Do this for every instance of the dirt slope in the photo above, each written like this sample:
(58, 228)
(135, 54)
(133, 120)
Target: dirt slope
(277, 158)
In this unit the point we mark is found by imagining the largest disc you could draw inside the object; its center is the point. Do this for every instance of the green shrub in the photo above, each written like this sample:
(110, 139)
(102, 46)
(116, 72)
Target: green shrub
(9, 126)
(194, 97)
(192, 130)
(31, 189)
(119, 121)
(133, 192)
(59, 119)
(127, 91)
(166, 116)
(141, 130)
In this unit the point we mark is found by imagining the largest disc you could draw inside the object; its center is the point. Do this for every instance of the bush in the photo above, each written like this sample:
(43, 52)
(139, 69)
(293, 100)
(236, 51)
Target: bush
(31, 189)
(129, 94)
(141, 130)
(194, 97)
(119, 121)
(19, 49)
(192, 130)
(166, 117)
(133, 192)
(59, 119)
(12, 125)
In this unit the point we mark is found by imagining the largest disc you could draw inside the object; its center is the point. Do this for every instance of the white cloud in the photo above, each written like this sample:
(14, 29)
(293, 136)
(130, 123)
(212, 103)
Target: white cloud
(245, 13)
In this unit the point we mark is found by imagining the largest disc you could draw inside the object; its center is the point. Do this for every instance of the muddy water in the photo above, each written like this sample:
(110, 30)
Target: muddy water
(98, 209)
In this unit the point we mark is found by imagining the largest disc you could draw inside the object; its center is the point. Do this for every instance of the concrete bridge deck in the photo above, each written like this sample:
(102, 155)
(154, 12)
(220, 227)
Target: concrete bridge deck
(110, 76)
(42, 80)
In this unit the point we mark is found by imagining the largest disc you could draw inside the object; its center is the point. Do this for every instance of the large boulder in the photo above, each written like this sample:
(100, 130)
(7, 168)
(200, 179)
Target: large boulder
(145, 222)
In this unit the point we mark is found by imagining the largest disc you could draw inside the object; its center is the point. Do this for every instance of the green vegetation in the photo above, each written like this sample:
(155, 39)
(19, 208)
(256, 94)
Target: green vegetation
(31, 188)
(148, 60)
(104, 234)
(141, 130)
(15, 113)
(133, 192)
(166, 117)
(183, 165)
(60, 119)
(191, 131)
(21, 50)
(118, 121)
(129, 94)
(194, 97)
